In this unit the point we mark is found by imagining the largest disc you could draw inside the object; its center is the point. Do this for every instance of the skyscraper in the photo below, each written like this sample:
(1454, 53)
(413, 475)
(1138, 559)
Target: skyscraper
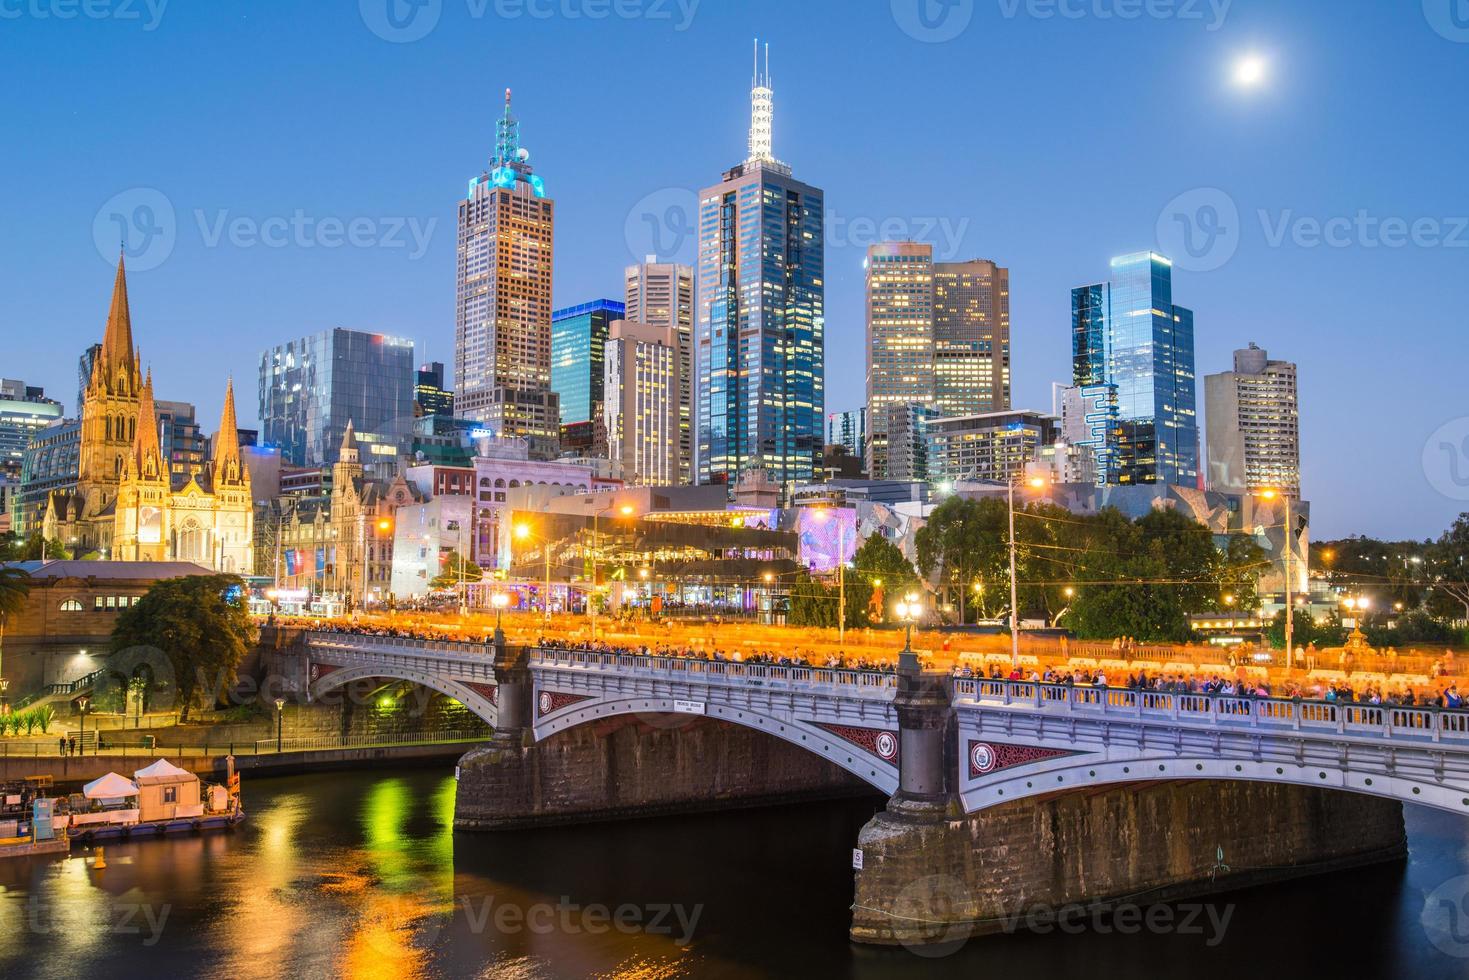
(502, 323)
(900, 348)
(662, 293)
(311, 388)
(642, 384)
(849, 430)
(578, 338)
(761, 317)
(971, 335)
(1253, 419)
(431, 394)
(1128, 332)
(24, 411)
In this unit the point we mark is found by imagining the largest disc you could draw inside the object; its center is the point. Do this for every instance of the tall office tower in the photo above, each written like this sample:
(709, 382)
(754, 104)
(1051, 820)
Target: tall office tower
(1128, 332)
(760, 351)
(642, 385)
(848, 429)
(578, 338)
(430, 393)
(899, 339)
(971, 336)
(24, 411)
(84, 373)
(502, 323)
(311, 388)
(662, 293)
(1254, 425)
(180, 437)
(907, 451)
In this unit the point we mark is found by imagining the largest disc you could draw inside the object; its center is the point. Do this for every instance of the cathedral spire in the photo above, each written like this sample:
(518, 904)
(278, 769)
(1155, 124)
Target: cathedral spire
(118, 358)
(227, 464)
(147, 456)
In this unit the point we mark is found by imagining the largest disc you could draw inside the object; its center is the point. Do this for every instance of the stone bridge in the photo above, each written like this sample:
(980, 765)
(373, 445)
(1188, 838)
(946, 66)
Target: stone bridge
(1006, 791)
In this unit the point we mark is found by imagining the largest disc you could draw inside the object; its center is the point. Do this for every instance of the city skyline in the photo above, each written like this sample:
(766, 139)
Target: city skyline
(1281, 297)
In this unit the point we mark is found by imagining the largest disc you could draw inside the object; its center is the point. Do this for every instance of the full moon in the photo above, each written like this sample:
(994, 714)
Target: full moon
(1249, 71)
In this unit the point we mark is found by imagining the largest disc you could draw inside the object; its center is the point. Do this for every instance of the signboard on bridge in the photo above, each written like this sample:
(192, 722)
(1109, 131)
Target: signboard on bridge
(688, 707)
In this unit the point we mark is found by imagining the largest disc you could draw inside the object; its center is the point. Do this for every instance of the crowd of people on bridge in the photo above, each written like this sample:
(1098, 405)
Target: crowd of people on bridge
(669, 651)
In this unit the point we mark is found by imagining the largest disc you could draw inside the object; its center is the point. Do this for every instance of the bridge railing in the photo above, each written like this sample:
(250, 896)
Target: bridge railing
(396, 644)
(855, 681)
(1222, 710)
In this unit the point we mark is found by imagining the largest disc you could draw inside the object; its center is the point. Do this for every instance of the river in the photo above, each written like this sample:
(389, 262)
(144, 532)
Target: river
(360, 874)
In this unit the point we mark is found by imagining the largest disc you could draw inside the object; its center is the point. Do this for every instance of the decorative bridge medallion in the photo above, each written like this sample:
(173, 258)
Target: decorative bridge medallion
(490, 692)
(878, 741)
(552, 701)
(318, 671)
(990, 757)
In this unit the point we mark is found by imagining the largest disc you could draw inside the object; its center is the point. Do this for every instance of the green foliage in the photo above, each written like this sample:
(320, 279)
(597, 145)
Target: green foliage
(45, 715)
(1413, 627)
(812, 603)
(15, 585)
(1306, 630)
(454, 565)
(877, 560)
(200, 623)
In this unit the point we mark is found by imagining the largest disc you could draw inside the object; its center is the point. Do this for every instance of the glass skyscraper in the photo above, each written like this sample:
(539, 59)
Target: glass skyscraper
(578, 339)
(1128, 333)
(761, 316)
(311, 388)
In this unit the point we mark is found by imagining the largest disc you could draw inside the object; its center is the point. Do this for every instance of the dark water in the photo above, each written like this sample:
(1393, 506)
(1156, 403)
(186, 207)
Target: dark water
(359, 874)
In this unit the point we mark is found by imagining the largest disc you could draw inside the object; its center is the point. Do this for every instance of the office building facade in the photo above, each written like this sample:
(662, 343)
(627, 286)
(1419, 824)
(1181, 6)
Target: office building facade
(431, 393)
(1127, 332)
(1253, 421)
(578, 338)
(900, 348)
(848, 430)
(311, 388)
(24, 411)
(991, 448)
(642, 385)
(971, 336)
(761, 319)
(502, 322)
(662, 294)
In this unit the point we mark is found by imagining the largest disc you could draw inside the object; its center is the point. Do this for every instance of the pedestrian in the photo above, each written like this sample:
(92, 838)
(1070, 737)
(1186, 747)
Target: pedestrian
(61, 742)
(73, 745)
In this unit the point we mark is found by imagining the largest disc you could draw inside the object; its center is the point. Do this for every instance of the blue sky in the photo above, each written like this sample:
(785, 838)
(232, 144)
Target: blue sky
(287, 167)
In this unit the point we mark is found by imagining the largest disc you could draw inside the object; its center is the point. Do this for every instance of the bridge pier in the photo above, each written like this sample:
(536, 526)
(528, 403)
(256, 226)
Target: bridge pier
(941, 881)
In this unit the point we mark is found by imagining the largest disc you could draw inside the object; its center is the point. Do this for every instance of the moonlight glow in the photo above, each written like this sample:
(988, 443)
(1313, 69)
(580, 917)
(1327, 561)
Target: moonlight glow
(1249, 71)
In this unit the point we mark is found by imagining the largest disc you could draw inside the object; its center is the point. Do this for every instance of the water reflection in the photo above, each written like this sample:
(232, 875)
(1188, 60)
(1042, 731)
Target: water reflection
(361, 875)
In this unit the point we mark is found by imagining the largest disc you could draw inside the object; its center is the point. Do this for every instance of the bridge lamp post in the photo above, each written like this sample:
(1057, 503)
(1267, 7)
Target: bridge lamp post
(1037, 483)
(522, 531)
(908, 609)
(499, 601)
(1290, 615)
(280, 714)
(82, 704)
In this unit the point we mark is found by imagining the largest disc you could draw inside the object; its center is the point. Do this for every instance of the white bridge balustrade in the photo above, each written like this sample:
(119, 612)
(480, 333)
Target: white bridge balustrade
(1016, 739)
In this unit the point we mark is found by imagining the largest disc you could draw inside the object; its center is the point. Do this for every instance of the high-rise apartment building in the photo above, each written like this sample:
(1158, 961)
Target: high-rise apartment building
(849, 430)
(311, 388)
(900, 347)
(907, 451)
(431, 394)
(662, 293)
(971, 336)
(1128, 332)
(578, 337)
(995, 447)
(1253, 422)
(502, 323)
(642, 386)
(761, 319)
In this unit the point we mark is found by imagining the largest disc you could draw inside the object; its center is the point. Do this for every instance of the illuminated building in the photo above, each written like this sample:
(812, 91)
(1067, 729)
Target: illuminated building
(1254, 425)
(900, 346)
(642, 400)
(662, 293)
(761, 315)
(971, 335)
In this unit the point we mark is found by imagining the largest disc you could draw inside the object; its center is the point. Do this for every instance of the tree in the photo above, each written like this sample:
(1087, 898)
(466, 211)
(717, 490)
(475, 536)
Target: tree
(1307, 629)
(15, 585)
(455, 566)
(1448, 564)
(878, 570)
(965, 543)
(201, 625)
(812, 603)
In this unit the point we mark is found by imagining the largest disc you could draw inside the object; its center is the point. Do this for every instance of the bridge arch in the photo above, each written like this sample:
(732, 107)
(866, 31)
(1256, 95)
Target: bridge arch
(476, 702)
(867, 766)
(1090, 771)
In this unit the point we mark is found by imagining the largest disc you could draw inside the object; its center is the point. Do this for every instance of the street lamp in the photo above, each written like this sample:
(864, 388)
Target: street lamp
(1290, 613)
(908, 609)
(499, 601)
(82, 703)
(280, 714)
(523, 532)
(1037, 483)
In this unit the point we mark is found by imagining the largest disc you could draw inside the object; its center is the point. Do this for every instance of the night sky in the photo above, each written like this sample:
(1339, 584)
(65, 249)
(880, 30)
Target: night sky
(282, 168)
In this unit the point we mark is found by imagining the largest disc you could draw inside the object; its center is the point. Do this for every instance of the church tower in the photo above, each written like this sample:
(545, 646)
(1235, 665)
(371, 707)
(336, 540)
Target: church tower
(234, 525)
(141, 514)
(109, 416)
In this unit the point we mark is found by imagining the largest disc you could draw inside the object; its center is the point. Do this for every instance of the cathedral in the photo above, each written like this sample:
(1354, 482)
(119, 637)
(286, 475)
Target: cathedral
(130, 503)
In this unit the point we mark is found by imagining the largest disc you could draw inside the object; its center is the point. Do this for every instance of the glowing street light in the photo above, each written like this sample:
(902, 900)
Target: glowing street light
(523, 532)
(1035, 483)
(498, 602)
(908, 609)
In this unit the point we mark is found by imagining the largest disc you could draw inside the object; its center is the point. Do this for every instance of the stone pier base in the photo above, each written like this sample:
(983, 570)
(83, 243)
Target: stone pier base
(638, 766)
(944, 879)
